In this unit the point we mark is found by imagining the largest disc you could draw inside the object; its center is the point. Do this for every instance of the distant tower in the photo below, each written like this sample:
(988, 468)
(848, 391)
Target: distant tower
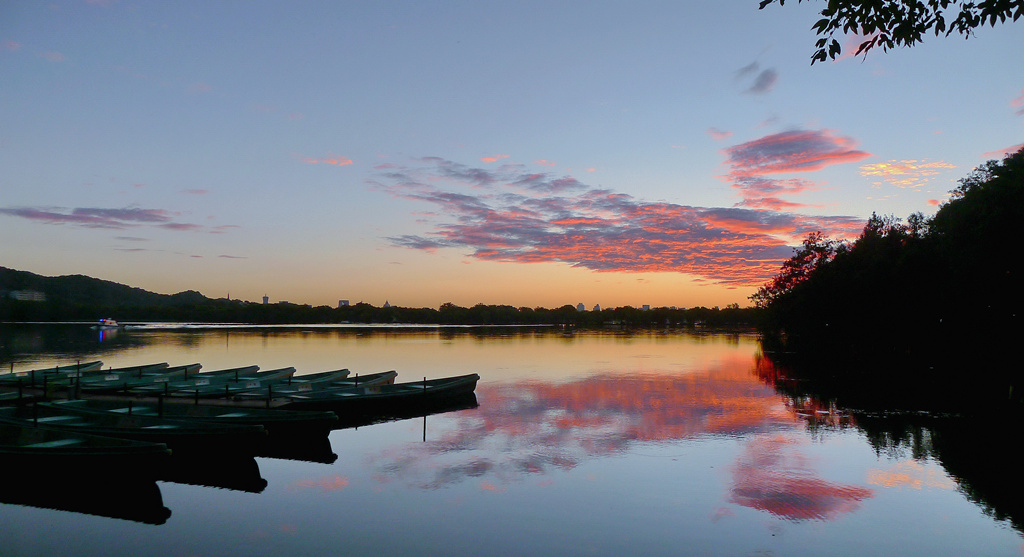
(386, 304)
(266, 299)
(342, 303)
(597, 307)
(581, 307)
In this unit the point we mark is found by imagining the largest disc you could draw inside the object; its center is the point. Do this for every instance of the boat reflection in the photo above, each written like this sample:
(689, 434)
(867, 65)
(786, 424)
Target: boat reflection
(225, 471)
(308, 448)
(122, 495)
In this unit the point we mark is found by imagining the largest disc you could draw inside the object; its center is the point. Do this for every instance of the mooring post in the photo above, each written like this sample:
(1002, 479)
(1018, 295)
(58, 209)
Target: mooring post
(129, 408)
(270, 393)
(197, 395)
(160, 406)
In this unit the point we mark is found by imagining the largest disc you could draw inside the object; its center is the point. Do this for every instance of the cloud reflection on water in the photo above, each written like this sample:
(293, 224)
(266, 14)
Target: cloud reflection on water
(531, 428)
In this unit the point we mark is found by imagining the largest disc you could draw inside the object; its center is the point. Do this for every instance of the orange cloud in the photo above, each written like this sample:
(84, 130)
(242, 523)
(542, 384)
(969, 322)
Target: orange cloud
(544, 162)
(911, 474)
(494, 158)
(906, 173)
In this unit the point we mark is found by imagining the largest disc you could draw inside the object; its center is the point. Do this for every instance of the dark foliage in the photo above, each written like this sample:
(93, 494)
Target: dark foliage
(942, 291)
(891, 23)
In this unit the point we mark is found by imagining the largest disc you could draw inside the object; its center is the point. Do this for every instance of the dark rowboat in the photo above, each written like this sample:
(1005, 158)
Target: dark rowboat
(113, 382)
(37, 447)
(218, 388)
(176, 434)
(296, 386)
(386, 400)
(276, 422)
(36, 377)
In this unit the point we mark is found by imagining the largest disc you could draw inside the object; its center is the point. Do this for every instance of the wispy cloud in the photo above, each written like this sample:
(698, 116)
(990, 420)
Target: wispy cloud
(329, 159)
(751, 164)
(92, 217)
(905, 174)
(1018, 104)
(1000, 153)
(11, 45)
(719, 135)
(493, 158)
(510, 214)
(764, 82)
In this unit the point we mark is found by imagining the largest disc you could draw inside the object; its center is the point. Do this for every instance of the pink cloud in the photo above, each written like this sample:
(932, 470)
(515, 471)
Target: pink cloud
(1000, 153)
(329, 159)
(718, 135)
(1018, 103)
(494, 158)
(771, 476)
(544, 162)
(11, 45)
(788, 152)
(514, 216)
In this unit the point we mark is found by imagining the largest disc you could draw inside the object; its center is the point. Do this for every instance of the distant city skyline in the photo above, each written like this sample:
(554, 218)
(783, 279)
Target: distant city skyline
(524, 154)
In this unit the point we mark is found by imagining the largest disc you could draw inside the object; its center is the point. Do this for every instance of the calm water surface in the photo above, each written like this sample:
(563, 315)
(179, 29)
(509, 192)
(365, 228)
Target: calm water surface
(582, 444)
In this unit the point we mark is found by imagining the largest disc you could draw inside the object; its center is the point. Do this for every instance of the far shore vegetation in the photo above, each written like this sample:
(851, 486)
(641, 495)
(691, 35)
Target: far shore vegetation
(27, 297)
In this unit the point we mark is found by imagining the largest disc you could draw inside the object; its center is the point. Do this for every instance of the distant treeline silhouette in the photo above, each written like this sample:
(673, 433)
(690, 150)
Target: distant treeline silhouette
(81, 298)
(946, 290)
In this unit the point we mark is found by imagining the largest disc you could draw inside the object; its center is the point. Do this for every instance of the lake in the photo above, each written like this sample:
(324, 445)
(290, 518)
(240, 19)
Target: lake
(582, 443)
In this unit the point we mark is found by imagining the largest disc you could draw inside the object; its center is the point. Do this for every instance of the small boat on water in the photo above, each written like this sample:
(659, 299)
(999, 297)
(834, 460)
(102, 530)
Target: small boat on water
(216, 387)
(106, 324)
(36, 377)
(274, 421)
(37, 447)
(350, 402)
(296, 385)
(124, 381)
(176, 434)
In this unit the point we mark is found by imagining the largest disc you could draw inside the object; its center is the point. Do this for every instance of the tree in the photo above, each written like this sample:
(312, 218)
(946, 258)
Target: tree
(815, 252)
(892, 23)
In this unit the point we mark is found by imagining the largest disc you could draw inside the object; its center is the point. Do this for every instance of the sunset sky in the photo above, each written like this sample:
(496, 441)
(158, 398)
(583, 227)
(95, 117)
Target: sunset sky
(525, 153)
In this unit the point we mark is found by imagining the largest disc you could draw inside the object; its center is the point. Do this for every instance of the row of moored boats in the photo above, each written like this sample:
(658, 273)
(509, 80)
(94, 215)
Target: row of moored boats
(83, 414)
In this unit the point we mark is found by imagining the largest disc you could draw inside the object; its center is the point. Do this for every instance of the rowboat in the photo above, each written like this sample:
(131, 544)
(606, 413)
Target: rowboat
(296, 385)
(113, 382)
(36, 377)
(35, 447)
(176, 434)
(198, 379)
(225, 387)
(384, 400)
(276, 422)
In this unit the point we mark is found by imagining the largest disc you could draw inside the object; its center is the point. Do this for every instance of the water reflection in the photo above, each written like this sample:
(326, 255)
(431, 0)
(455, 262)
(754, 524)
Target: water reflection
(530, 428)
(121, 495)
(976, 446)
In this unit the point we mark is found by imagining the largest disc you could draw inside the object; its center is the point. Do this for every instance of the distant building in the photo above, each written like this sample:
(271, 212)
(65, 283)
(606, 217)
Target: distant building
(266, 299)
(646, 307)
(597, 307)
(28, 295)
(386, 304)
(581, 307)
(342, 303)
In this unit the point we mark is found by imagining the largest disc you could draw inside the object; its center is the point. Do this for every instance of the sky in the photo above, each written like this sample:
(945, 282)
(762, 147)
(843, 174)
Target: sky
(417, 153)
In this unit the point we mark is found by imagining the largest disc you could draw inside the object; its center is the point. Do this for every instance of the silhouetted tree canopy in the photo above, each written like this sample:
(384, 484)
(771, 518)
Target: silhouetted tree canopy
(891, 23)
(945, 288)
